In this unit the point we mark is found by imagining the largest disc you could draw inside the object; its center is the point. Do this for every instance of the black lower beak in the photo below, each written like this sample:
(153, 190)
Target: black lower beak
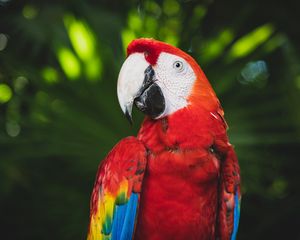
(151, 102)
(150, 99)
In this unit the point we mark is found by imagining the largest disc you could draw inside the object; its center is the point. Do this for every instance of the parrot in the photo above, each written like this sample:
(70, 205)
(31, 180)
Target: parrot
(179, 178)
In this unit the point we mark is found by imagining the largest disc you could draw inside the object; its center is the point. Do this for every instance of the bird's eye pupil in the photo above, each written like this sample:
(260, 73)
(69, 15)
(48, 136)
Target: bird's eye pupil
(178, 65)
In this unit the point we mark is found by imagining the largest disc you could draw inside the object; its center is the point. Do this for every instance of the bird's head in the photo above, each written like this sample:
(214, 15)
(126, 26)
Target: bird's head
(161, 79)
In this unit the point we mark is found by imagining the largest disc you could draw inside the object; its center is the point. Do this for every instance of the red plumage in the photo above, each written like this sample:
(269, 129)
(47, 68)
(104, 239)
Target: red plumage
(192, 172)
(190, 164)
(180, 196)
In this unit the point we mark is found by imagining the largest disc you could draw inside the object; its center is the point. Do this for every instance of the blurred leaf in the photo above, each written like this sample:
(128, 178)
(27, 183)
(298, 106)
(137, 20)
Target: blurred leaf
(246, 44)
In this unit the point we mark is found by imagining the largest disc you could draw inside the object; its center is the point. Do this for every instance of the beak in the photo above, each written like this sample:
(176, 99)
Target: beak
(136, 85)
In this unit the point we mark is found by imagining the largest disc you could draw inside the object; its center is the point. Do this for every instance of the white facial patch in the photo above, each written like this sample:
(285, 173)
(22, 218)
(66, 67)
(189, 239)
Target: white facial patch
(176, 78)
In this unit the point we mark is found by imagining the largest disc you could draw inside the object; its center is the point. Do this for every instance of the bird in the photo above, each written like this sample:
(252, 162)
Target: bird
(179, 178)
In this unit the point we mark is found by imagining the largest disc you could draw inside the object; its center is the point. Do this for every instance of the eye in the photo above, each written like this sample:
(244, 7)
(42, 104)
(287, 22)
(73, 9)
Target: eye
(178, 66)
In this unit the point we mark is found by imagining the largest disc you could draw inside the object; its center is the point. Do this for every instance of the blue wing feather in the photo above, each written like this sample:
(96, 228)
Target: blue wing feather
(127, 230)
(119, 221)
(124, 220)
(236, 215)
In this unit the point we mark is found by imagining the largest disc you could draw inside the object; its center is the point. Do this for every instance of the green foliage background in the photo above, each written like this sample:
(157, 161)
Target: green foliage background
(59, 115)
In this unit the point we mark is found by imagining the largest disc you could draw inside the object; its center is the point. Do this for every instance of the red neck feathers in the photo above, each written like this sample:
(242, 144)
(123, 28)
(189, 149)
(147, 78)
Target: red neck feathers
(200, 114)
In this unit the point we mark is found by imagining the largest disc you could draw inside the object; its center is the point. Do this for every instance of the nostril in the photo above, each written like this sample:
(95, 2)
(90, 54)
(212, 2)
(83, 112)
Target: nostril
(140, 104)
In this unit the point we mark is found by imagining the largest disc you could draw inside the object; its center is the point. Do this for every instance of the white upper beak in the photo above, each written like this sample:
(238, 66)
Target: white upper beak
(130, 80)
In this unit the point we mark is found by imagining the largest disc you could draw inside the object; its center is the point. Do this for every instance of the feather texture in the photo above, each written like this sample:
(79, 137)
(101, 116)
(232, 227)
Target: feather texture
(191, 188)
(236, 214)
(115, 197)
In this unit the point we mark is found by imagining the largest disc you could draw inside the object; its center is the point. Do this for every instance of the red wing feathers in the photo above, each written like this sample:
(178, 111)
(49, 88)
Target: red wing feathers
(116, 191)
(230, 195)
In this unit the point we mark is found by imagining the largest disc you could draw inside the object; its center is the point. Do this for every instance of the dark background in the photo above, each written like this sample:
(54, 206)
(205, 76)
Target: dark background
(59, 114)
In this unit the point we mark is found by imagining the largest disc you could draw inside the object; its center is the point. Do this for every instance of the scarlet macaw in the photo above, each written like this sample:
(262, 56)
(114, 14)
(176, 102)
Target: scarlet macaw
(179, 178)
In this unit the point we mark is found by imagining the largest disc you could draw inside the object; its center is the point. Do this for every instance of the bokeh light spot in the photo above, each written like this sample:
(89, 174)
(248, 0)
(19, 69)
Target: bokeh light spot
(214, 47)
(153, 8)
(30, 11)
(248, 43)
(134, 22)
(151, 25)
(84, 43)
(171, 7)
(69, 63)
(3, 41)
(50, 75)
(278, 188)
(127, 36)
(93, 69)
(171, 39)
(199, 11)
(255, 73)
(19, 83)
(57, 106)
(275, 42)
(81, 37)
(5, 93)
(12, 128)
